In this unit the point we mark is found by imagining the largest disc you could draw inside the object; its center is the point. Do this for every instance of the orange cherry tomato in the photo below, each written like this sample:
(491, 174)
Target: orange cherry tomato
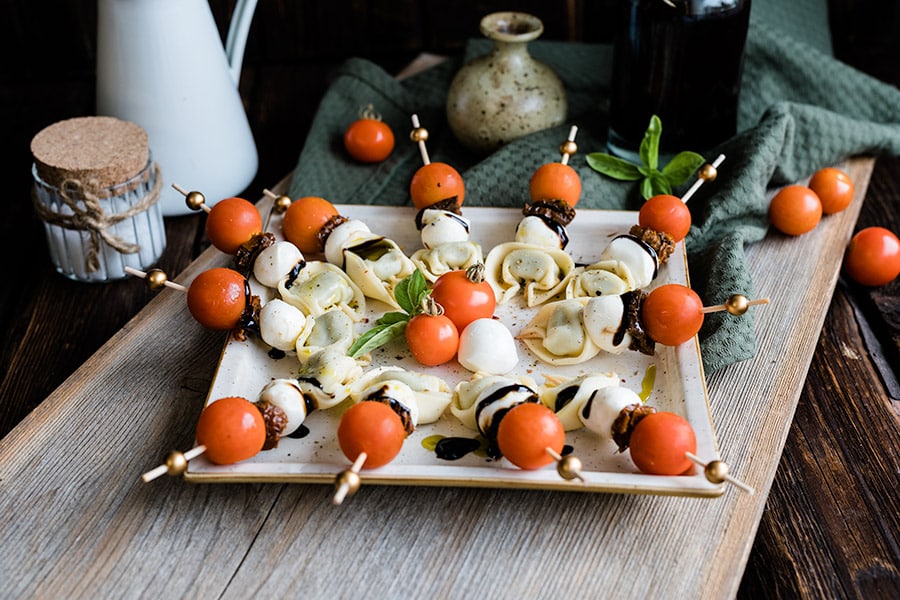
(374, 428)
(795, 210)
(834, 189)
(463, 299)
(369, 140)
(555, 181)
(659, 442)
(432, 339)
(525, 433)
(232, 222)
(671, 314)
(434, 182)
(303, 219)
(217, 298)
(873, 257)
(232, 429)
(666, 213)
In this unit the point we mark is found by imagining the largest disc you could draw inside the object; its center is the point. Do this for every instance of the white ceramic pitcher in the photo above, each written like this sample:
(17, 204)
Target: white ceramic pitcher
(160, 64)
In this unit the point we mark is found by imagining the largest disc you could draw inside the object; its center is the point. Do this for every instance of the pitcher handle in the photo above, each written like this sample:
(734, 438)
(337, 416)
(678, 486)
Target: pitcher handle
(236, 40)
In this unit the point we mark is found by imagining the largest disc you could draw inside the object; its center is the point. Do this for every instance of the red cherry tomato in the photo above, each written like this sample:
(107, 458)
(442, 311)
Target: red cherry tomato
(217, 298)
(373, 428)
(795, 210)
(303, 219)
(555, 181)
(434, 182)
(833, 187)
(873, 257)
(232, 429)
(666, 213)
(232, 222)
(369, 140)
(671, 314)
(659, 442)
(464, 299)
(525, 433)
(432, 339)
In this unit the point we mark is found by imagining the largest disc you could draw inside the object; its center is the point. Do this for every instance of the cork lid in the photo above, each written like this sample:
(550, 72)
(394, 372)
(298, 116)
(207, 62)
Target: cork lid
(104, 149)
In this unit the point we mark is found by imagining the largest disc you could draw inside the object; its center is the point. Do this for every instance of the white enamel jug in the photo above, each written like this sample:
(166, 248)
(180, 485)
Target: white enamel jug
(160, 64)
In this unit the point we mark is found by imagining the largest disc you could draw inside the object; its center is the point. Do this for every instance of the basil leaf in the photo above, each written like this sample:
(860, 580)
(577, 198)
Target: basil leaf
(659, 184)
(410, 291)
(612, 166)
(376, 337)
(647, 188)
(649, 149)
(389, 318)
(681, 167)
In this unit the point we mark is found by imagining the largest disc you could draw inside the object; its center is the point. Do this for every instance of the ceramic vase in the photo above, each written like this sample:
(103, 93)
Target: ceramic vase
(507, 93)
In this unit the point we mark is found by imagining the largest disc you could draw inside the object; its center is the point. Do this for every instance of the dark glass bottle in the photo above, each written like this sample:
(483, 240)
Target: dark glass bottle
(680, 60)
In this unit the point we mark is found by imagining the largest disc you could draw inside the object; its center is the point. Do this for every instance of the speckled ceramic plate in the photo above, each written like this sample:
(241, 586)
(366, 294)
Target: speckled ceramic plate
(675, 376)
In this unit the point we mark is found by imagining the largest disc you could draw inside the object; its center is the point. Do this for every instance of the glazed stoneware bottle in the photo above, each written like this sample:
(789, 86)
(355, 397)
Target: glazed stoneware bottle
(505, 94)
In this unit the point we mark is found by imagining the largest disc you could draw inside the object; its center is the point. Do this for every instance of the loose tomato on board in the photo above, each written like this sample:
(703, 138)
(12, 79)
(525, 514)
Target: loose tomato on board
(666, 213)
(217, 298)
(555, 181)
(432, 338)
(525, 433)
(374, 428)
(232, 222)
(369, 139)
(303, 219)
(465, 296)
(671, 314)
(232, 429)
(795, 210)
(834, 189)
(434, 182)
(659, 444)
(873, 257)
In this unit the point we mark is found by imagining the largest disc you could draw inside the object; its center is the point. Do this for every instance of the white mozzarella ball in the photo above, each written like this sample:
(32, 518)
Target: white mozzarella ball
(534, 230)
(602, 317)
(443, 227)
(276, 262)
(635, 256)
(604, 405)
(346, 234)
(487, 346)
(286, 395)
(280, 324)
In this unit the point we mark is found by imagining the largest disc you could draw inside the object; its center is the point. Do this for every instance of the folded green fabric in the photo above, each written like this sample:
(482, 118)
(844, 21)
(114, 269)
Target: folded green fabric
(800, 110)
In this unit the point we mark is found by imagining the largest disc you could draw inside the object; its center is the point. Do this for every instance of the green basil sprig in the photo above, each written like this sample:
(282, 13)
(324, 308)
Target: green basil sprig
(653, 180)
(409, 294)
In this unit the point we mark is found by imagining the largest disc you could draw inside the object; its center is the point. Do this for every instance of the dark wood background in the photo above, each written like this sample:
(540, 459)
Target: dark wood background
(805, 545)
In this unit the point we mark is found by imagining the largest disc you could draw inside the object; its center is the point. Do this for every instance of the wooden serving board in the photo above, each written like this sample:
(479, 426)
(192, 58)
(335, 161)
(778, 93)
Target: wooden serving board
(79, 522)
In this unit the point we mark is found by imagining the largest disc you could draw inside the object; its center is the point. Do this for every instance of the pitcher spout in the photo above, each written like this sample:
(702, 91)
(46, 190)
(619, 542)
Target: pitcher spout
(236, 40)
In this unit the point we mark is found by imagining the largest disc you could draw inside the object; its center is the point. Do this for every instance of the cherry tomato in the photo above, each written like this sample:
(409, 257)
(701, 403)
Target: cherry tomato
(671, 314)
(369, 140)
(525, 433)
(666, 213)
(659, 442)
(217, 298)
(303, 219)
(795, 210)
(834, 189)
(432, 339)
(464, 297)
(231, 222)
(374, 428)
(434, 182)
(232, 429)
(873, 257)
(555, 181)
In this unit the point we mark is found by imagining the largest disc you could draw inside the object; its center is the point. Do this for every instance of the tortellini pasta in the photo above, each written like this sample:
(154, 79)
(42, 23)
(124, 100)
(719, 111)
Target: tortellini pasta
(568, 399)
(443, 258)
(557, 334)
(538, 273)
(478, 402)
(326, 376)
(424, 397)
(625, 265)
(377, 265)
(320, 287)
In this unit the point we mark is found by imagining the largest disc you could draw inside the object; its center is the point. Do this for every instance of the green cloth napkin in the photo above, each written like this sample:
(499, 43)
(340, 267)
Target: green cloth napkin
(800, 110)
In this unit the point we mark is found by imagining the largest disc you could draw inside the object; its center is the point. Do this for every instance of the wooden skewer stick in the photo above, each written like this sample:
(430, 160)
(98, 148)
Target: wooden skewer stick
(280, 204)
(569, 147)
(716, 471)
(348, 481)
(737, 304)
(176, 463)
(194, 200)
(419, 134)
(569, 466)
(706, 173)
(155, 279)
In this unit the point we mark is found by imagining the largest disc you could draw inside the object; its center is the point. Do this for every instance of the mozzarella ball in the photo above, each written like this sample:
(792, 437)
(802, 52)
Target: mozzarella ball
(286, 395)
(280, 324)
(534, 230)
(600, 411)
(443, 227)
(348, 233)
(276, 262)
(487, 346)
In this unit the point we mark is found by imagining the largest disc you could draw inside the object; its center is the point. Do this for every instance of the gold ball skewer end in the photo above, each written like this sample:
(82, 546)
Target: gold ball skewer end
(281, 204)
(346, 483)
(707, 173)
(195, 200)
(156, 279)
(176, 463)
(419, 134)
(716, 471)
(737, 304)
(568, 147)
(569, 466)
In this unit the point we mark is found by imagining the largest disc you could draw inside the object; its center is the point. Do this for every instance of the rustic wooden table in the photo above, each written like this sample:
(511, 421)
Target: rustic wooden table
(100, 381)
